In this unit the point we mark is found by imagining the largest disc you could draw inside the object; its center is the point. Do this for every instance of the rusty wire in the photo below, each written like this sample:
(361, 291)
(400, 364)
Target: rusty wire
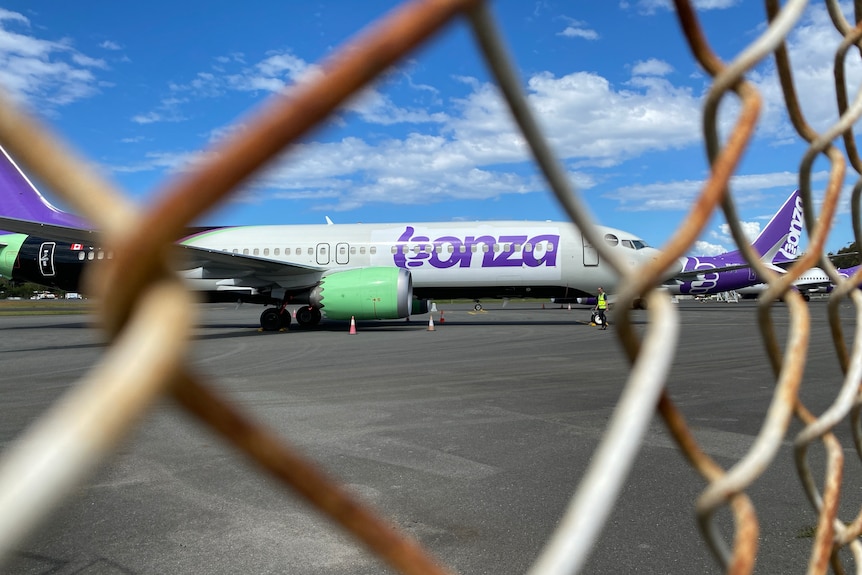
(147, 356)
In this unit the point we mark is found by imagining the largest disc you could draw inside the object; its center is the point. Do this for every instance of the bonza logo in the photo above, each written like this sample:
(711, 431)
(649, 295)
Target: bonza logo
(790, 249)
(450, 251)
(705, 283)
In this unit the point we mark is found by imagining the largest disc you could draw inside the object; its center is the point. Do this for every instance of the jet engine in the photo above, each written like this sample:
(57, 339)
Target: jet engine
(367, 293)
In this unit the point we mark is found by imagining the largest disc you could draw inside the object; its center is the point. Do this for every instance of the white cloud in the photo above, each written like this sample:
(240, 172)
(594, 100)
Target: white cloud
(42, 73)
(578, 29)
(702, 248)
(651, 67)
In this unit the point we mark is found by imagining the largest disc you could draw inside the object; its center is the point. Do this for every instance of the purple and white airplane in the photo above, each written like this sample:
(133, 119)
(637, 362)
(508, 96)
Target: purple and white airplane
(777, 244)
(812, 281)
(338, 271)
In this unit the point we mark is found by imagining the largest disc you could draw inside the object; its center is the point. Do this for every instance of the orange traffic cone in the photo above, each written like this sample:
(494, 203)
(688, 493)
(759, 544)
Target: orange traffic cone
(430, 323)
(442, 319)
(352, 326)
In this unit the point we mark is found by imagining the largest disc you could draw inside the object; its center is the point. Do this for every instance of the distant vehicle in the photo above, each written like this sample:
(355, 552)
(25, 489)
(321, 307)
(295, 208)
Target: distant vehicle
(43, 295)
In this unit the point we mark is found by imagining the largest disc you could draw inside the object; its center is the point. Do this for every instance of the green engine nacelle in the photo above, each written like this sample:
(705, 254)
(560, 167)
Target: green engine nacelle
(367, 293)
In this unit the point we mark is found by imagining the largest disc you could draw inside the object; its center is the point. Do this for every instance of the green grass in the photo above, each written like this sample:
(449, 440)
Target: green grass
(44, 307)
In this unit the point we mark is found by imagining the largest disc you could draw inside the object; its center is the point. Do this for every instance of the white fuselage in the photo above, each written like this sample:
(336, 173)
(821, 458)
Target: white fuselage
(450, 257)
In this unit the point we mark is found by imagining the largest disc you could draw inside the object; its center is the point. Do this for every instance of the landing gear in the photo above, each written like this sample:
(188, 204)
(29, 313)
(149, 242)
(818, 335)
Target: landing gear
(477, 306)
(274, 319)
(308, 316)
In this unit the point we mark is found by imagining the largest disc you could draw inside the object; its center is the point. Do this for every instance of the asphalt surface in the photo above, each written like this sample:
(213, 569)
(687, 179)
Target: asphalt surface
(472, 438)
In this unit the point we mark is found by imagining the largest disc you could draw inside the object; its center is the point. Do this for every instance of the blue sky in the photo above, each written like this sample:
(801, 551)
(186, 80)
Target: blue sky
(140, 88)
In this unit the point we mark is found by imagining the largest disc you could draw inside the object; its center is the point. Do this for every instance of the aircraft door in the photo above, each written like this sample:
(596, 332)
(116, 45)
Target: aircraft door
(591, 255)
(342, 253)
(323, 254)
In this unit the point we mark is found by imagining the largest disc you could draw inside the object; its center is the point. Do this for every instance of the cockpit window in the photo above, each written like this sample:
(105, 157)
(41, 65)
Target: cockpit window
(640, 244)
(628, 244)
(611, 240)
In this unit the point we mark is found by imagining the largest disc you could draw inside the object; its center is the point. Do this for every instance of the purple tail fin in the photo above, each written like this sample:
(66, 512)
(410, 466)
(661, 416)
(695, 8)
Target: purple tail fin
(19, 198)
(779, 240)
(783, 232)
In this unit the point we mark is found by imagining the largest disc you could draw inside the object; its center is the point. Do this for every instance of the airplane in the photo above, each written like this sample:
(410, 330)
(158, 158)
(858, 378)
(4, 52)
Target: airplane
(777, 244)
(810, 282)
(336, 271)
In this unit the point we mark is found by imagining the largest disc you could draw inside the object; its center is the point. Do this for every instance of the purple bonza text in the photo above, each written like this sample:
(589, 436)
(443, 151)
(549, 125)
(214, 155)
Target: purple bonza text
(436, 255)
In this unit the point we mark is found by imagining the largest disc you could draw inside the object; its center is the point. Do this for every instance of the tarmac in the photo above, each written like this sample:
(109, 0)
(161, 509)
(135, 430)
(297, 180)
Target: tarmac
(471, 437)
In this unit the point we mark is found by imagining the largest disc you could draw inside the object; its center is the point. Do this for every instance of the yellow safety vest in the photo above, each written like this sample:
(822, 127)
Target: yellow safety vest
(603, 302)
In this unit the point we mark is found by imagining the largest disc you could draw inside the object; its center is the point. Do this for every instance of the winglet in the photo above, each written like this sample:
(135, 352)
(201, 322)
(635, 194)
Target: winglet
(19, 198)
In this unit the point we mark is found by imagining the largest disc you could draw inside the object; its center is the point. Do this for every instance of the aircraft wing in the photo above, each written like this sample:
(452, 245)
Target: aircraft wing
(693, 274)
(240, 264)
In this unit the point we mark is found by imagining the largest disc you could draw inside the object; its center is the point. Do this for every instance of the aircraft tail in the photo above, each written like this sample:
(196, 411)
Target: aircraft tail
(778, 242)
(783, 233)
(20, 200)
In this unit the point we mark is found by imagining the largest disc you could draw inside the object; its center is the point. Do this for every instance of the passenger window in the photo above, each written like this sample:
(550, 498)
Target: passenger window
(256, 251)
(362, 250)
(528, 247)
(245, 251)
(266, 251)
(277, 251)
(91, 256)
(81, 256)
(373, 250)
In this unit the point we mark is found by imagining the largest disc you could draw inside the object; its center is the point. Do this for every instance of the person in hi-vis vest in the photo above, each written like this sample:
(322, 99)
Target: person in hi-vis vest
(601, 307)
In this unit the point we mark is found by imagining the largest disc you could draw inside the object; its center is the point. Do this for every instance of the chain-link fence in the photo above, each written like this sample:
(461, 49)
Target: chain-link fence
(146, 310)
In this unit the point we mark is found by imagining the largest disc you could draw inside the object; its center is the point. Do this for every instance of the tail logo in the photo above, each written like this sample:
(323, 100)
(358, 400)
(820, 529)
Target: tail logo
(790, 249)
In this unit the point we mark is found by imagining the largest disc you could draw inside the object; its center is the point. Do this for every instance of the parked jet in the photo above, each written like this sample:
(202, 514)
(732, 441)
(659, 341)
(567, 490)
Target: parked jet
(777, 244)
(338, 271)
(810, 282)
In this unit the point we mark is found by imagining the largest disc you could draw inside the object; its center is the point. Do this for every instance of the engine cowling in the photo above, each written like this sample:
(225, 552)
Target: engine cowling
(367, 293)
